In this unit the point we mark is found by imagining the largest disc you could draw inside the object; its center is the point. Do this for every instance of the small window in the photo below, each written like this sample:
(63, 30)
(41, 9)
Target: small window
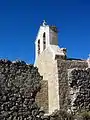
(44, 40)
(44, 35)
(38, 46)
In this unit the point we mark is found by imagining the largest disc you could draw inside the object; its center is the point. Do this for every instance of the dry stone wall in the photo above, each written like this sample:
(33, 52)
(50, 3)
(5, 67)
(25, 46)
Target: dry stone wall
(19, 84)
(42, 96)
(64, 90)
(80, 82)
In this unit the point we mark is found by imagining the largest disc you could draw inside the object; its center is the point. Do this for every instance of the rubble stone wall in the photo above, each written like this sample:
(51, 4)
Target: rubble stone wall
(80, 86)
(64, 91)
(19, 84)
(42, 96)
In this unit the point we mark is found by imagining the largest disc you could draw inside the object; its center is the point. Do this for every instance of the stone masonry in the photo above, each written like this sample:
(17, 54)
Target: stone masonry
(64, 66)
(54, 65)
(55, 72)
(47, 68)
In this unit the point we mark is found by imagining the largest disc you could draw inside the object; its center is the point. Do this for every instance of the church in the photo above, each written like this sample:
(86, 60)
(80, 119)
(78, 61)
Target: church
(55, 67)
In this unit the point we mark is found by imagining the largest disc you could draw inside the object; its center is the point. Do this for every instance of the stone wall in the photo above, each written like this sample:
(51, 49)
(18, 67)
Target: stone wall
(80, 86)
(64, 91)
(19, 84)
(56, 94)
(42, 96)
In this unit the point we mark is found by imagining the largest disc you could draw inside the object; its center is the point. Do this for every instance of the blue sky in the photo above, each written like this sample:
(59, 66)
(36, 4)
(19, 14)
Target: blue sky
(20, 21)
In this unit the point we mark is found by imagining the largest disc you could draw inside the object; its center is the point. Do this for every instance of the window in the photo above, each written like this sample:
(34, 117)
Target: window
(44, 40)
(38, 46)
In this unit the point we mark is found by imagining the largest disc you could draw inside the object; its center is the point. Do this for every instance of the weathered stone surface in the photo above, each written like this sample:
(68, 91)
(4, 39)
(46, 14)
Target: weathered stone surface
(55, 72)
(47, 68)
(80, 79)
(64, 90)
(19, 84)
(42, 96)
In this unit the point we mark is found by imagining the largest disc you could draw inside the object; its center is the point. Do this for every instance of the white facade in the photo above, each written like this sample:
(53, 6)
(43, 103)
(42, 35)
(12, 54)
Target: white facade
(50, 40)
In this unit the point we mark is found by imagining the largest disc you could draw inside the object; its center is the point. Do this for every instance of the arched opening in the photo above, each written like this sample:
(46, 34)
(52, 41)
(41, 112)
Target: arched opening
(38, 46)
(44, 40)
